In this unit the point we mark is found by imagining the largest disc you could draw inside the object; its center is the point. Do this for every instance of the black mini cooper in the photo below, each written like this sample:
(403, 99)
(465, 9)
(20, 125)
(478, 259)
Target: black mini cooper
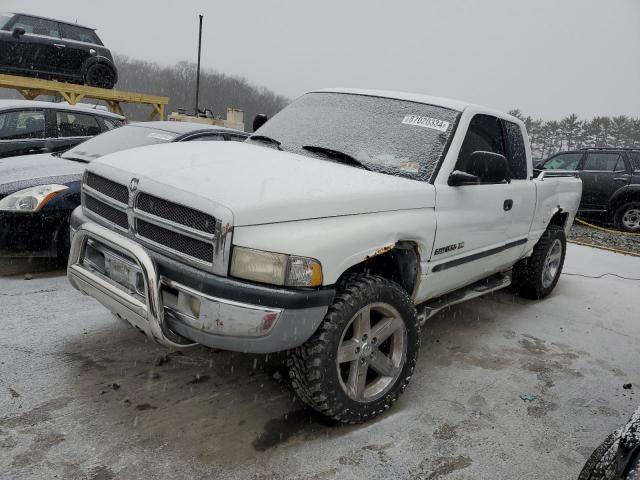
(53, 49)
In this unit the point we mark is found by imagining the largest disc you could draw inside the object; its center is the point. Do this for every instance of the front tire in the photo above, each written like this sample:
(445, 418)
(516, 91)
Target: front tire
(363, 354)
(535, 277)
(627, 217)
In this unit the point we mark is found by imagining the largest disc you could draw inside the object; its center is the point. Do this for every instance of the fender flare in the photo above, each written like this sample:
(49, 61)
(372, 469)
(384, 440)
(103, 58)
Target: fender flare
(622, 195)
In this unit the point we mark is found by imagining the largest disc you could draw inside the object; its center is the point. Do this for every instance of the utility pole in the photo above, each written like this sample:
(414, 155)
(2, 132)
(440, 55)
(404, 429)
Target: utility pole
(198, 73)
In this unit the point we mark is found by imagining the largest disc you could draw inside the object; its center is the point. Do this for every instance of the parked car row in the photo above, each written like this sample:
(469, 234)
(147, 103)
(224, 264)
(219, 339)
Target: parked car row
(28, 126)
(610, 182)
(39, 192)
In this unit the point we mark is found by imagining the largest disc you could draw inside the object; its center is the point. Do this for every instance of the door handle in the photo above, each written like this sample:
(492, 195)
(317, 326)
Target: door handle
(624, 178)
(59, 45)
(508, 204)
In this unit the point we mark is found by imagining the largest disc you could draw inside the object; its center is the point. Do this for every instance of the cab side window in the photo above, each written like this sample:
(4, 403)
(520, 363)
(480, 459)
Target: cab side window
(484, 134)
(516, 152)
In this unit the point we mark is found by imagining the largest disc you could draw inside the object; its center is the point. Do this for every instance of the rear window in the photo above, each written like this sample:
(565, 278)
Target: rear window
(79, 34)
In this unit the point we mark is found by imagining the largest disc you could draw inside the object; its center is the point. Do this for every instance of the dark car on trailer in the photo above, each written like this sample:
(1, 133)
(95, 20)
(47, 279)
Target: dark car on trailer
(54, 49)
(610, 183)
(28, 126)
(39, 192)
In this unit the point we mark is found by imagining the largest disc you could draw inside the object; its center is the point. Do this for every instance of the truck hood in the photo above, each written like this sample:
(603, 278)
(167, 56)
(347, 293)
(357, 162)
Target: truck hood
(26, 171)
(263, 185)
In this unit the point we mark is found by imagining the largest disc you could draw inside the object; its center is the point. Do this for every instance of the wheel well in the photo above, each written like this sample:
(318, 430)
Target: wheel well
(559, 219)
(398, 264)
(626, 197)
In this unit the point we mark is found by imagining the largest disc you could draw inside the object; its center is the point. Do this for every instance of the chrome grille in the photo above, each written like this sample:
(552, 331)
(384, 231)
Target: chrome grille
(107, 212)
(175, 241)
(176, 213)
(111, 189)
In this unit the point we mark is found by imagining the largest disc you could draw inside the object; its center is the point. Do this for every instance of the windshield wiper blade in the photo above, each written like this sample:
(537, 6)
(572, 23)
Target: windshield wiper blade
(342, 157)
(264, 138)
(74, 159)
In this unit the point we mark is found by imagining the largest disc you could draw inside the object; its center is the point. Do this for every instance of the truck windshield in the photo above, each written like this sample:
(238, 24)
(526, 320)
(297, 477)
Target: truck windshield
(123, 138)
(390, 136)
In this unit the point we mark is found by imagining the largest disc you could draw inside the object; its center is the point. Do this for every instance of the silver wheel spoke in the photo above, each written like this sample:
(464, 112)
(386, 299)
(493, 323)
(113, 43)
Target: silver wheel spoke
(357, 378)
(385, 328)
(362, 324)
(383, 364)
(347, 351)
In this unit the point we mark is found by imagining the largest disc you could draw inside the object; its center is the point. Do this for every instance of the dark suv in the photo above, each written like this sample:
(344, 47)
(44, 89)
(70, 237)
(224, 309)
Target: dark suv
(47, 48)
(610, 182)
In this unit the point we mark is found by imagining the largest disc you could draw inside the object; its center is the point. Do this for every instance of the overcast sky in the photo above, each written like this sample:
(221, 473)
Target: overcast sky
(547, 57)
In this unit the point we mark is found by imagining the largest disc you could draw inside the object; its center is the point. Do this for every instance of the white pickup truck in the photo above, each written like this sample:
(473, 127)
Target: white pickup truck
(332, 233)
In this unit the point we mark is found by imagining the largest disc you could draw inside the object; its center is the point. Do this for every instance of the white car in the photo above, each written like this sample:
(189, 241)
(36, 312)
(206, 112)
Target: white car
(333, 233)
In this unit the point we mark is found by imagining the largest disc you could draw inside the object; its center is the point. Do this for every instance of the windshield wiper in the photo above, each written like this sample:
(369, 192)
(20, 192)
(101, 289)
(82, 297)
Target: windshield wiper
(264, 138)
(341, 157)
(75, 159)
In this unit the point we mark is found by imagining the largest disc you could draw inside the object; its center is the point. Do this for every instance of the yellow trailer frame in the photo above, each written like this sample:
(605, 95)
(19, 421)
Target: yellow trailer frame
(31, 88)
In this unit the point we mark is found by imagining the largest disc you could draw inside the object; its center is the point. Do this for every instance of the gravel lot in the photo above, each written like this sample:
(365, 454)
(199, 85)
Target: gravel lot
(84, 396)
(600, 238)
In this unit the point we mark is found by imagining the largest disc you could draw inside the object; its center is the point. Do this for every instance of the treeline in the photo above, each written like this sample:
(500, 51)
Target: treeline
(178, 82)
(550, 136)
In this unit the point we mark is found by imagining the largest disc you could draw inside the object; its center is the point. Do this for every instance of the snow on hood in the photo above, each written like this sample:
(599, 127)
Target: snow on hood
(261, 185)
(26, 167)
(25, 171)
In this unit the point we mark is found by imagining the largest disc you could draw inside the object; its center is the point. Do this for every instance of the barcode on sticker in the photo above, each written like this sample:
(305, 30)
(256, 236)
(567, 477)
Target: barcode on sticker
(426, 122)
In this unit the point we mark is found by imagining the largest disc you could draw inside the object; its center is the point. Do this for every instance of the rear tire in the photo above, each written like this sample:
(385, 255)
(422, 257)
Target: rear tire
(627, 217)
(100, 75)
(535, 277)
(601, 464)
(359, 361)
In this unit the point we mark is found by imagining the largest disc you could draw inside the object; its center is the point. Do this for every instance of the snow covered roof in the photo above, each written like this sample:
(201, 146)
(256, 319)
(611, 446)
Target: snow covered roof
(6, 104)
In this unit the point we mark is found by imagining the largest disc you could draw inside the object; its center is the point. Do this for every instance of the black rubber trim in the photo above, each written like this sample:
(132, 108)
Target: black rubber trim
(240, 291)
(476, 256)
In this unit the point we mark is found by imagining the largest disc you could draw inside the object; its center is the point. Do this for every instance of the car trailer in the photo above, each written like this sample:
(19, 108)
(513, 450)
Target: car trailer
(30, 88)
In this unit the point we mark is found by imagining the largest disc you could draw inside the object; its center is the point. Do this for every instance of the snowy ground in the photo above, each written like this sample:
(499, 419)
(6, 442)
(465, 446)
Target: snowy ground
(84, 396)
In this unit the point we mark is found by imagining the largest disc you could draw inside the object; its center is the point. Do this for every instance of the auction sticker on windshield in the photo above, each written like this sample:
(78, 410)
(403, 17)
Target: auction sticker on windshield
(426, 122)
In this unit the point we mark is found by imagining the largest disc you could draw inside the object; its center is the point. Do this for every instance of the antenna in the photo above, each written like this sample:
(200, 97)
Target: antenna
(198, 72)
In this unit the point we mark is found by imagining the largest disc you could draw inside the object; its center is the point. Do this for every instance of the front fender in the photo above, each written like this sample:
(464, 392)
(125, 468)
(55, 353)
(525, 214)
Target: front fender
(342, 242)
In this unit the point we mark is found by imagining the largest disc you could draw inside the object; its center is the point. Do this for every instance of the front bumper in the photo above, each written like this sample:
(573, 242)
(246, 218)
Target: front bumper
(276, 319)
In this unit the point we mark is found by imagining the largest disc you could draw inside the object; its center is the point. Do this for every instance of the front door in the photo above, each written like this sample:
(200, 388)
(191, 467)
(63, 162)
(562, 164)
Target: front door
(471, 228)
(35, 49)
(602, 174)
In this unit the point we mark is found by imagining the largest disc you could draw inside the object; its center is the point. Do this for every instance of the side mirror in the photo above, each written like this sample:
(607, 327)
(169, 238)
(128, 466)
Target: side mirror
(458, 178)
(488, 167)
(259, 120)
(18, 32)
